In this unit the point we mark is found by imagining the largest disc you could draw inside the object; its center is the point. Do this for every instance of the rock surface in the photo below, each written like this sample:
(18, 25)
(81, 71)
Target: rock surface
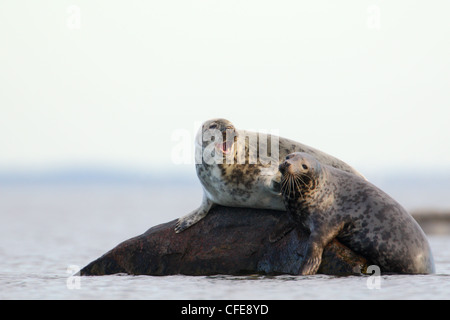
(232, 241)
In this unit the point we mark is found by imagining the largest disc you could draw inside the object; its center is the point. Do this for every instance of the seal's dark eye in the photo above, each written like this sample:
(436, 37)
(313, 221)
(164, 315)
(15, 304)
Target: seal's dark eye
(305, 166)
(213, 126)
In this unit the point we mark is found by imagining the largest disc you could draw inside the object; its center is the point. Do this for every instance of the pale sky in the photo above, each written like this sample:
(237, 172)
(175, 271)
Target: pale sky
(109, 82)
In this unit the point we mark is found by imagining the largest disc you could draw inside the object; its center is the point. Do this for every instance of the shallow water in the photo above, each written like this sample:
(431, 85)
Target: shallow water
(47, 232)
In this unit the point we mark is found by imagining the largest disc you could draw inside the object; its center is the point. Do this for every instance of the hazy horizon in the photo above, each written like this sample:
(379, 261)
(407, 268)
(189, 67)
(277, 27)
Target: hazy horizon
(416, 192)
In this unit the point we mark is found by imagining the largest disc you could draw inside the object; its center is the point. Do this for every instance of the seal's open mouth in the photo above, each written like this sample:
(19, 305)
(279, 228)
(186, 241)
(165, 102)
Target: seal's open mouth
(225, 147)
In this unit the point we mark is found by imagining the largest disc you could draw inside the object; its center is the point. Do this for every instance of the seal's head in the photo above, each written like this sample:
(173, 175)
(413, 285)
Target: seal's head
(300, 172)
(219, 135)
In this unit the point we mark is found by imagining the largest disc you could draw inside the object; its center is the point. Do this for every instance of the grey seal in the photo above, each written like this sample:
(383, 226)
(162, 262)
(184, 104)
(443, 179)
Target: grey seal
(330, 203)
(240, 176)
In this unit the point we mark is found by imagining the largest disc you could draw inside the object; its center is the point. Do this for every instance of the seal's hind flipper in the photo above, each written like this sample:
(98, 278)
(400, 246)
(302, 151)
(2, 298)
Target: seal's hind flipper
(282, 228)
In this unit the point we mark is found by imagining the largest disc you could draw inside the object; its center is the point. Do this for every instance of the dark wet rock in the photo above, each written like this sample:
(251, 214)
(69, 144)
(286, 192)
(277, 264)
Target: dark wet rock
(231, 241)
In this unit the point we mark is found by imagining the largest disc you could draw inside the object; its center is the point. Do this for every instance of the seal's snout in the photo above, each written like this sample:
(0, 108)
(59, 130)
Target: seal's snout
(283, 166)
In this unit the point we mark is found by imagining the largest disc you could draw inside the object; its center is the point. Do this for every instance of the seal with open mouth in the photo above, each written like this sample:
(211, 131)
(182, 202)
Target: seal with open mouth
(234, 171)
(330, 203)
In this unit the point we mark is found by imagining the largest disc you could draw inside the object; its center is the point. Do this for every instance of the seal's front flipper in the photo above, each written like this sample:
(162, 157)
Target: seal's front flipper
(312, 258)
(195, 216)
(275, 184)
(190, 219)
(282, 228)
(310, 266)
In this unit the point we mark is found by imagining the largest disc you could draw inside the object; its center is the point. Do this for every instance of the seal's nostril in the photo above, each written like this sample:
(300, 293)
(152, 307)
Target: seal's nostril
(282, 167)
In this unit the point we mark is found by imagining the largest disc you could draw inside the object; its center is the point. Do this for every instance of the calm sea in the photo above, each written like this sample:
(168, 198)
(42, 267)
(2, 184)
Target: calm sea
(47, 232)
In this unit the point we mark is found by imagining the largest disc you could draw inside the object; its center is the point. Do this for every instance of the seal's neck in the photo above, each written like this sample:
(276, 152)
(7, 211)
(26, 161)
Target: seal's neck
(321, 197)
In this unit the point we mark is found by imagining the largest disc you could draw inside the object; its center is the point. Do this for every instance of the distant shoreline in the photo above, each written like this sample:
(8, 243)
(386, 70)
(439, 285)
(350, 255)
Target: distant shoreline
(433, 221)
(424, 197)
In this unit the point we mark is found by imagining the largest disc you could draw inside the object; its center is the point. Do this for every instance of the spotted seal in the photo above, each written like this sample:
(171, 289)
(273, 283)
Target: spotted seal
(230, 166)
(330, 203)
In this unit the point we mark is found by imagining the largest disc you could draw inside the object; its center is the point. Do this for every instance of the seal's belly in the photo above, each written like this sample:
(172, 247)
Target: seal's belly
(243, 191)
(237, 197)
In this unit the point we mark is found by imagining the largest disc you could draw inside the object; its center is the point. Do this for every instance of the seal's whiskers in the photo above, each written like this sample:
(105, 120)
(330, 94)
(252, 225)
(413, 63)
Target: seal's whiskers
(298, 180)
(283, 184)
(290, 184)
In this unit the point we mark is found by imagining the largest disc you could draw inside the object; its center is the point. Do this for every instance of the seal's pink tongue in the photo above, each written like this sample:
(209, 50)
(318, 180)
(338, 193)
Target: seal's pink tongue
(226, 147)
